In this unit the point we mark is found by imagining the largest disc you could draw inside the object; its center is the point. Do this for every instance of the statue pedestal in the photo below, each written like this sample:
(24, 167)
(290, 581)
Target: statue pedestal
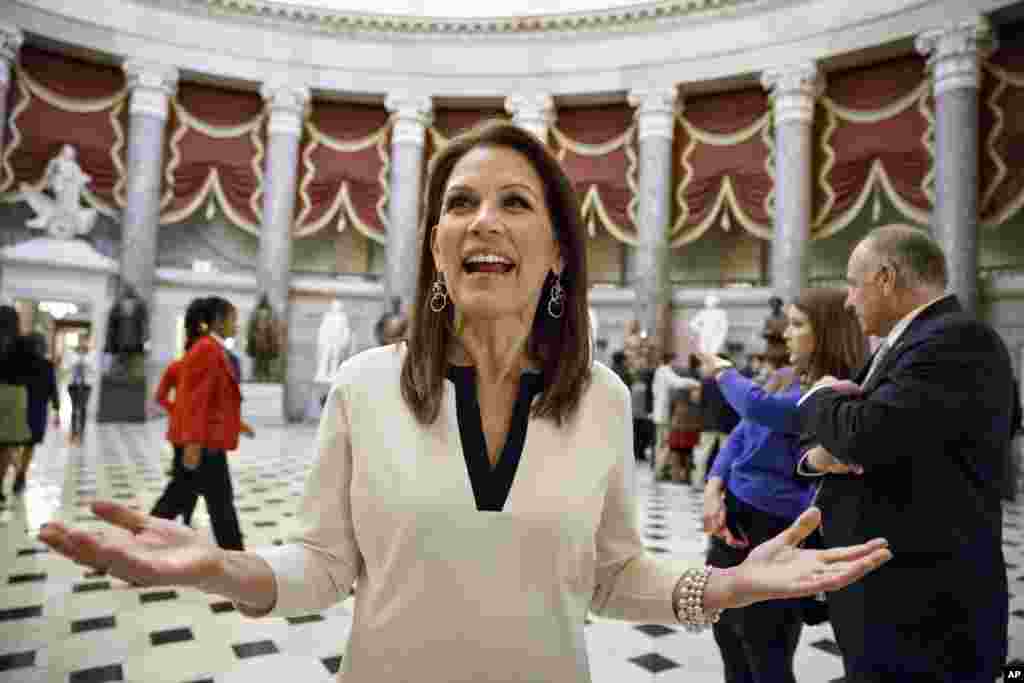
(263, 403)
(122, 399)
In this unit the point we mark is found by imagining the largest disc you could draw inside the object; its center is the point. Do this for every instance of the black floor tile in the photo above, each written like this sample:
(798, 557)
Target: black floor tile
(17, 660)
(307, 619)
(826, 645)
(221, 607)
(99, 674)
(264, 524)
(254, 649)
(32, 551)
(94, 624)
(26, 578)
(332, 664)
(157, 596)
(656, 549)
(174, 635)
(21, 613)
(90, 587)
(655, 630)
(654, 662)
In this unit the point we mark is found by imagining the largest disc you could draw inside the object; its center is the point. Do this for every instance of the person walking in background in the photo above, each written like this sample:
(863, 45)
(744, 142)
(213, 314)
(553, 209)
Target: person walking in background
(80, 373)
(752, 491)
(42, 393)
(14, 361)
(926, 424)
(666, 381)
(180, 495)
(209, 410)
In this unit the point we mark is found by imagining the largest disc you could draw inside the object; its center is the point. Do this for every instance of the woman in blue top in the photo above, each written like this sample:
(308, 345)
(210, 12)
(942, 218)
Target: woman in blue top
(752, 492)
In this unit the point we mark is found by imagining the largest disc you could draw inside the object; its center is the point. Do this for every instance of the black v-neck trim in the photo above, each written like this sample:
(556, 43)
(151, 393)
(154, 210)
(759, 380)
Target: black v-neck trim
(491, 486)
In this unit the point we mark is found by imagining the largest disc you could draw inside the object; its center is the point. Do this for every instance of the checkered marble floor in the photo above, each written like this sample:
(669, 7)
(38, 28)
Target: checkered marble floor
(61, 624)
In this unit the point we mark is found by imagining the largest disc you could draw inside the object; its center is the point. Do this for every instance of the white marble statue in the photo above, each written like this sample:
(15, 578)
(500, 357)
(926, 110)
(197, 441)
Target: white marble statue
(711, 325)
(61, 215)
(333, 342)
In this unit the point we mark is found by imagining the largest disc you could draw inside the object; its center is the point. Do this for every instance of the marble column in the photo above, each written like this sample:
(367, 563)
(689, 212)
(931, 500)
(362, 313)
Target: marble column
(534, 112)
(794, 90)
(411, 115)
(11, 39)
(286, 103)
(151, 86)
(954, 59)
(655, 114)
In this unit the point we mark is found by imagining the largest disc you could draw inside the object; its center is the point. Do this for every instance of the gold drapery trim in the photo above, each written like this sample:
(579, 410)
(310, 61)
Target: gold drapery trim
(212, 184)
(678, 233)
(28, 88)
(1004, 79)
(592, 204)
(877, 178)
(186, 122)
(833, 114)
(379, 139)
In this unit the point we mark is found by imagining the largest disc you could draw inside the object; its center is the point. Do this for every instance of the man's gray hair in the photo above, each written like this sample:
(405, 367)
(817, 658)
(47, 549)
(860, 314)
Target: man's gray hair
(912, 252)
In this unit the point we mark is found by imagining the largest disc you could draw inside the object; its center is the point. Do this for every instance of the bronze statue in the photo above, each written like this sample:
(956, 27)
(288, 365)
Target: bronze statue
(263, 342)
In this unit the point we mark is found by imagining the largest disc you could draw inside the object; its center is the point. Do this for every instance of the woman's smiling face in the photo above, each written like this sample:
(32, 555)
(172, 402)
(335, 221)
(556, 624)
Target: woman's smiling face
(494, 242)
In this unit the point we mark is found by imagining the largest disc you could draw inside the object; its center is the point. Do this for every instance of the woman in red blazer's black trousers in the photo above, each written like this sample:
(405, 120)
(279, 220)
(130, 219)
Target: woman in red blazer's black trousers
(207, 415)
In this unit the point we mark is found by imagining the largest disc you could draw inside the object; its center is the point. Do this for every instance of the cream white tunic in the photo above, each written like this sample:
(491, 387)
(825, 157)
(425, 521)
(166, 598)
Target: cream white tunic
(449, 593)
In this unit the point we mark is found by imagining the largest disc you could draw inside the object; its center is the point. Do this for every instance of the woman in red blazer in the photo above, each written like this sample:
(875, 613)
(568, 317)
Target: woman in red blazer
(207, 419)
(180, 496)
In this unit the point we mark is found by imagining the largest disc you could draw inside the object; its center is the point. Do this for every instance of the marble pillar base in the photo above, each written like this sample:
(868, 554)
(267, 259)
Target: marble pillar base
(263, 403)
(122, 399)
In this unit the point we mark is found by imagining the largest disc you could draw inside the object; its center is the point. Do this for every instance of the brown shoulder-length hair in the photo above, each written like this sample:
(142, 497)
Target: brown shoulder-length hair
(560, 346)
(839, 345)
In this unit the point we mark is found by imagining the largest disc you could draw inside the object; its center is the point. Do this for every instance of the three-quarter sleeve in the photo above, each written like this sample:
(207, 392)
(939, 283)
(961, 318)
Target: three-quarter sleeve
(778, 412)
(318, 566)
(629, 583)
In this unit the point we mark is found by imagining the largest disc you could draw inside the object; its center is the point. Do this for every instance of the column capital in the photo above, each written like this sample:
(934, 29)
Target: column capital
(655, 111)
(411, 115)
(955, 52)
(795, 87)
(535, 112)
(151, 85)
(287, 103)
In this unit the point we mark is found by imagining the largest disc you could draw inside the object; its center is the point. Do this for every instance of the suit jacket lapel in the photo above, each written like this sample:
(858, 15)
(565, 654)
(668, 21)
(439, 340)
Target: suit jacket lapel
(944, 306)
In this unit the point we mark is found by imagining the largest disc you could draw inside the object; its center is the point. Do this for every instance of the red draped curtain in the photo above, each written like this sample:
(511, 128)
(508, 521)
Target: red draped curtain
(56, 100)
(724, 152)
(597, 148)
(875, 131)
(1001, 113)
(343, 173)
(215, 153)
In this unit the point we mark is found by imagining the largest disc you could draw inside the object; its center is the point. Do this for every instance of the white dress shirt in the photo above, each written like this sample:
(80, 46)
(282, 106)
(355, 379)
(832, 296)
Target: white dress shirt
(446, 592)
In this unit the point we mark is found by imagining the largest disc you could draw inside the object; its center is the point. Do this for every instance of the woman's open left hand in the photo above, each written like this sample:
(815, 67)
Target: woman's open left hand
(780, 569)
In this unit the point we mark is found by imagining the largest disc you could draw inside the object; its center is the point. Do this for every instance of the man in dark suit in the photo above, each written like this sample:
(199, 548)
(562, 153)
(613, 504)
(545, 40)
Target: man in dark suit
(915, 453)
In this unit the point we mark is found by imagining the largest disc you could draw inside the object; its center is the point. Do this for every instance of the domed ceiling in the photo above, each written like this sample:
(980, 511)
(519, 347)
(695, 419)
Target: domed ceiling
(463, 8)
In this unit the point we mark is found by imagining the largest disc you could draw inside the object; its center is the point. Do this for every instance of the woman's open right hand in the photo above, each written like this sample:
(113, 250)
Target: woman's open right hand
(140, 549)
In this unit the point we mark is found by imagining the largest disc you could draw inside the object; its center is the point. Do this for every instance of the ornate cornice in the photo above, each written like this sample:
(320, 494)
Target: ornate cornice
(287, 104)
(795, 88)
(955, 52)
(151, 86)
(642, 16)
(655, 111)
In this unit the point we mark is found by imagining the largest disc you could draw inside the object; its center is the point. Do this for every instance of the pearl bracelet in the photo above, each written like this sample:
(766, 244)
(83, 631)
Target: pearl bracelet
(689, 600)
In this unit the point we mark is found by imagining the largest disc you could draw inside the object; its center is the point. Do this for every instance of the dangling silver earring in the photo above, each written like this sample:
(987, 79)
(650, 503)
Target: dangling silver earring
(556, 302)
(438, 296)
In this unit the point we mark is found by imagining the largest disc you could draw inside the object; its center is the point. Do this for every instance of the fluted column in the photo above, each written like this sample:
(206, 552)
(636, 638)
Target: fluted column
(151, 86)
(411, 115)
(955, 53)
(287, 104)
(655, 114)
(11, 39)
(794, 90)
(536, 113)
